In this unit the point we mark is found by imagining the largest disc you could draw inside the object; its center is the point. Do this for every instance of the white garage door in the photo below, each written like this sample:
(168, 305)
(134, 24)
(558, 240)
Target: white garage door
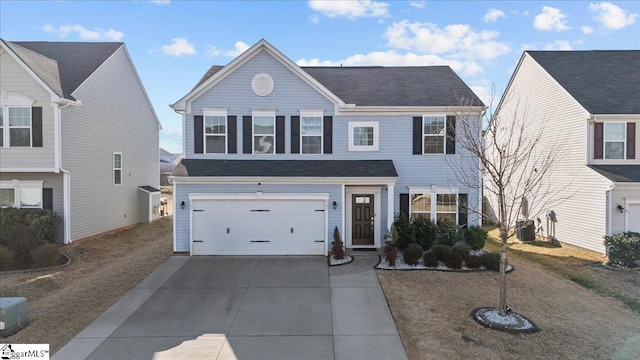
(258, 227)
(633, 217)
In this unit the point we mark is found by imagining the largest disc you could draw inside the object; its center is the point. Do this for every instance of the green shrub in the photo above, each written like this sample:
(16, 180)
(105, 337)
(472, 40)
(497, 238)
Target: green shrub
(623, 248)
(337, 247)
(490, 261)
(475, 237)
(406, 231)
(21, 240)
(6, 258)
(46, 255)
(425, 232)
(391, 253)
(463, 250)
(453, 260)
(473, 262)
(447, 232)
(441, 250)
(412, 254)
(45, 225)
(430, 259)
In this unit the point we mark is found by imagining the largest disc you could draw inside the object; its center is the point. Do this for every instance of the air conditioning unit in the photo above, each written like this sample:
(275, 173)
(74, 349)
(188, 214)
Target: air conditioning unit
(13, 315)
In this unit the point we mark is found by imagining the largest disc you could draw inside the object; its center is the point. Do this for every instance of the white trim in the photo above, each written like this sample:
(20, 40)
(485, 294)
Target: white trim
(401, 110)
(434, 191)
(444, 136)
(43, 170)
(66, 204)
(262, 113)
(390, 205)
(604, 140)
(13, 99)
(114, 168)
(312, 114)
(282, 180)
(175, 218)
(17, 186)
(376, 191)
(56, 136)
(215, 112)
(628, 202)
(376, 136)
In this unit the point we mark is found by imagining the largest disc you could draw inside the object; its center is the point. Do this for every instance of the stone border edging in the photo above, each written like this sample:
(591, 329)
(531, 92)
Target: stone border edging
(344, 263)
(504, 328)
(375, 267)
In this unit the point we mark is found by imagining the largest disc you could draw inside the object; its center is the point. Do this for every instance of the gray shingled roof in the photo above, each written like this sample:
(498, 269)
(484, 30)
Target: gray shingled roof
(44, 67)
(603, 82)
(389, 86)
(76, 60)
(619, 173)
(286, 168)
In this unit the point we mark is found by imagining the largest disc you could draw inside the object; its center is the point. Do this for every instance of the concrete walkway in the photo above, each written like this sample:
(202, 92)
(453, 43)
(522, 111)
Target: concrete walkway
(254, 307)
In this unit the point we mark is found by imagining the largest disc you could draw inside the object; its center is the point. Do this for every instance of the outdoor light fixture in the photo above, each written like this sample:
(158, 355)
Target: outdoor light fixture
(335, 204)
(182, 205)
(620, 208)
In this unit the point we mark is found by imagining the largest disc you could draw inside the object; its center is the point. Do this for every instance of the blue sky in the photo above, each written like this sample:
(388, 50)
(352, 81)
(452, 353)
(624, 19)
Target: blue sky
(173, 43)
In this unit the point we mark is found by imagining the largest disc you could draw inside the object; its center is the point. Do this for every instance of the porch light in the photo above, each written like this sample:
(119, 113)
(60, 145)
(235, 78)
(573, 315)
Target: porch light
(182, 205)
(335, 204)
(620, 208)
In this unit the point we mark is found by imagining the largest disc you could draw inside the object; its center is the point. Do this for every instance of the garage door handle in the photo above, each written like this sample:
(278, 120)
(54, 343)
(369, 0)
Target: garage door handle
(198, 241)
(259, 241)
(292, 230)
(228, 230)
(319, 241)
(197, 210)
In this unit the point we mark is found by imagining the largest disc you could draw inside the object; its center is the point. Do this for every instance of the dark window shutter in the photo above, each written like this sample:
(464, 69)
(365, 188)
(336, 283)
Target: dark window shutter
(247, 132)
(279, 134)
(631, 140)
(232, 134)
(417, 135)
(451, 135)
(295, 134)
(198, 136)
(598, 139)
(327, 136)
(404, 204)
(47, 198)
(463, 201)
(36, 126)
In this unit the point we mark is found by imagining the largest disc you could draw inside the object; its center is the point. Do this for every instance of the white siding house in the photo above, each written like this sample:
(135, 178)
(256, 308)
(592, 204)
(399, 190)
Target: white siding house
(276, 156)
(87, 138)
(589, 105)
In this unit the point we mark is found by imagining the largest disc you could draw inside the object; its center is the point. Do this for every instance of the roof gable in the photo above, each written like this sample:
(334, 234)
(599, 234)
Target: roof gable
(43, 67)
(603, 82)
(76, 60)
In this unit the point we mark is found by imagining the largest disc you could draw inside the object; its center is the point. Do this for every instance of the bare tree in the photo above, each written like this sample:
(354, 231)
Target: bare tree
(515, 160)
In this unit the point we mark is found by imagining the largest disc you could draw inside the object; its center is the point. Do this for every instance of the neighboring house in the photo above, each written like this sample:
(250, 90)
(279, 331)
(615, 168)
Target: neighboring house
(78, 135)
(589, 102)
(168, 162)
(276, 156)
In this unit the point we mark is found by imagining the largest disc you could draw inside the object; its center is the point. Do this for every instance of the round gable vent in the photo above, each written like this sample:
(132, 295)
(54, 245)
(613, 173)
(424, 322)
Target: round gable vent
(262, 84)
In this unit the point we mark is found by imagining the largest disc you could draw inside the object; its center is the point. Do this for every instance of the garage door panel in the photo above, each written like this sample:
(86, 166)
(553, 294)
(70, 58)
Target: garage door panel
(259, 227)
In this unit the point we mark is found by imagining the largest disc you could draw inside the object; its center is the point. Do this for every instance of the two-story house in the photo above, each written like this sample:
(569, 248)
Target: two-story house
(78, 135)
(276, 156)
(589, 102)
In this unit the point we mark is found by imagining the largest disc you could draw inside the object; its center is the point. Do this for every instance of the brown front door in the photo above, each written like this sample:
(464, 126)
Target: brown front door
(362, 219)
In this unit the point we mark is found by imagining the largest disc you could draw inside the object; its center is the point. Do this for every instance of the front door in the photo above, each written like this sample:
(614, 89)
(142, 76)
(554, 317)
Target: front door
(362, 225)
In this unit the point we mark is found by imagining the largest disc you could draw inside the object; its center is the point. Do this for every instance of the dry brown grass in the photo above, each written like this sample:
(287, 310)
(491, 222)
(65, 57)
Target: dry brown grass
(62, 302)
(432, 310)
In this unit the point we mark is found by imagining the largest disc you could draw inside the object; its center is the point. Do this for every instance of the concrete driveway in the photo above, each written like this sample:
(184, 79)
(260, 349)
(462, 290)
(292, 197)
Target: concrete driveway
(254, 307)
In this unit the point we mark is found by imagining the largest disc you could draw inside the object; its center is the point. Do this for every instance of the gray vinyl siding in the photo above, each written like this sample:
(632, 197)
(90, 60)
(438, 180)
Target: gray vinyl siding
(291, 94)
(16, 79)
(622, 193)
(53, 181)
(181, 216)
(580, 206)
(115, 116)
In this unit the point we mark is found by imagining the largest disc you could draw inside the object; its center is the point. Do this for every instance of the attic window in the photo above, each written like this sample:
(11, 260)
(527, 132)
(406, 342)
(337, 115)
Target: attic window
(262, 84)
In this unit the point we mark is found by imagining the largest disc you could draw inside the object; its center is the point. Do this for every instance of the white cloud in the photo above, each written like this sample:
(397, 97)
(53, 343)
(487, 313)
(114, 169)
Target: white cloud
(350, 9)
(179, 47)
(550, 19)
(240, 47)
(174, 131)
(458, 40)
(84, 33)
(393, 58)
(558, 45)
(418, 4)
(212, 51)
(587, 30)
(493, 15)
(611, 16)
(315, 18)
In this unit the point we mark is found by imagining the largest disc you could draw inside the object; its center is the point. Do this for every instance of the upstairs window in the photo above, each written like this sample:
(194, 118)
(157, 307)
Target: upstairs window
(215, 132)
(117, 168)
(264, 134)
(311, 134)
(434, 133)
(19, 126)
(363, 136)
(614, 140)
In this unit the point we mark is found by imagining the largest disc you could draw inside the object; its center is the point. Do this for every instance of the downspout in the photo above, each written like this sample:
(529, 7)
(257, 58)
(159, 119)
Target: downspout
(609, 195)
(590, 121)
(66, 178)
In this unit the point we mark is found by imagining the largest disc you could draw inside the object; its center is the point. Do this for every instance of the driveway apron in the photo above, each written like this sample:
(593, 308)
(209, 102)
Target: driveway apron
(246, 307)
